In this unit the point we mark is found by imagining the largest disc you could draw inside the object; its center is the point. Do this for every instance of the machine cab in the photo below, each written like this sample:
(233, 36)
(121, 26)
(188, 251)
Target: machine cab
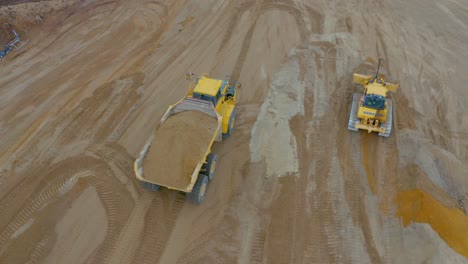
(375, 96)
(374, 101)
(221, 94)
(213, 90)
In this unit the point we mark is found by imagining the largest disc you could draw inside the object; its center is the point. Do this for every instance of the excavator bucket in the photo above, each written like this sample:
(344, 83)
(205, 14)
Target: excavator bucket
(361, 79)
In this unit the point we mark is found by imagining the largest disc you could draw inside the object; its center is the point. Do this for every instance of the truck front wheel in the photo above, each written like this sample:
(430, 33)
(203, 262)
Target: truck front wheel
(232, 121)
(211, 165)
(199, 190)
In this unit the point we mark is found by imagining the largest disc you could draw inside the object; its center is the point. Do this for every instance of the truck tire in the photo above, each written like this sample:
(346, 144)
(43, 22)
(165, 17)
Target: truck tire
(150, 186)
(232, 120)
(211, 165)
(199, 190)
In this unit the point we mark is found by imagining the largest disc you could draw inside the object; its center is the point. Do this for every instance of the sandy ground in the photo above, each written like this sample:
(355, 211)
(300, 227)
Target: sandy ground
(293, 184)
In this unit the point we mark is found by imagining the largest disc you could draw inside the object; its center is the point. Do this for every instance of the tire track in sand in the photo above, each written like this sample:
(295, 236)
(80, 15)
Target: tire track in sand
(61, 178)
(97, 116)
(112, 152)
(159, 222)
(285, 6)
(383, 167)
(146, 231)
(39, 253)
(234, 20)
(197, 248)
(323, 247)
(117, 157)
(204, 245)
(130, 236)
(288, 7)
(335, 175)
(110, 113)
(300, 130)
(16, 197)
(353, 182)
(258, 245)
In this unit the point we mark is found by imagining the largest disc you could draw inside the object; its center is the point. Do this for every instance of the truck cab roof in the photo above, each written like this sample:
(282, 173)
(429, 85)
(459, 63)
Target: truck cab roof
(208, 86)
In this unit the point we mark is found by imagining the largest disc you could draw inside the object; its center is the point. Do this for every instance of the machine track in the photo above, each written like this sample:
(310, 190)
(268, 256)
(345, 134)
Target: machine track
(353, 114)
(388, 125)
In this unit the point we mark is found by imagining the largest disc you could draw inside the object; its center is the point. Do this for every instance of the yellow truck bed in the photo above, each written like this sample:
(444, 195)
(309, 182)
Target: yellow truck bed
(178, 174)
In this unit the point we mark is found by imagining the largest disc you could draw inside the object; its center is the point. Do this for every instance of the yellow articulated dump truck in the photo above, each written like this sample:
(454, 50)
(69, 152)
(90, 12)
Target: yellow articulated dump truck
(373, 110)
(178, 154)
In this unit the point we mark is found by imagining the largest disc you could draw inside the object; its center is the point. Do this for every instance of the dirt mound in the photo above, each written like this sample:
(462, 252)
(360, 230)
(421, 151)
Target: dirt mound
(24, 15)
(177, 146)
(15, 2)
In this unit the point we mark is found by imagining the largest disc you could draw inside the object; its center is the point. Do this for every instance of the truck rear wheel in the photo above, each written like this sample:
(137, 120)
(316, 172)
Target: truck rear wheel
(199, 190)
(211, 165)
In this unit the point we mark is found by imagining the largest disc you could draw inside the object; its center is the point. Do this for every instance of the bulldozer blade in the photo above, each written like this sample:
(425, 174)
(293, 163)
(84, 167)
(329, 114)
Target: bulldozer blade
(361, 79)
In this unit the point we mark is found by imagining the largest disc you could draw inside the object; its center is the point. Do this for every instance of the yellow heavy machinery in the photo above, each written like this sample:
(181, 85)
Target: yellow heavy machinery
(216, 98)
(221, 94)
(372, 111)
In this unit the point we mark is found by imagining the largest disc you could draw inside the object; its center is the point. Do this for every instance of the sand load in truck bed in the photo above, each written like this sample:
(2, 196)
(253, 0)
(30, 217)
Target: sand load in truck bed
(177, 147)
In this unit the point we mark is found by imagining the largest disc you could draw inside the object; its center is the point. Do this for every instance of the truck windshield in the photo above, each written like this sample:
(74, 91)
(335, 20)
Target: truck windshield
(374, 101)
(205, 97)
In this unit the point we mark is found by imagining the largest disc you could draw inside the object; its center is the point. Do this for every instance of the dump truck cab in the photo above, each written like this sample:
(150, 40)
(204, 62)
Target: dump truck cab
(221, 94)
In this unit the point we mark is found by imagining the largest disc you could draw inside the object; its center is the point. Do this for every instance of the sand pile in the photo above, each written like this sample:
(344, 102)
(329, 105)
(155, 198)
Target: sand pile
(177, 146)
(23, 14)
